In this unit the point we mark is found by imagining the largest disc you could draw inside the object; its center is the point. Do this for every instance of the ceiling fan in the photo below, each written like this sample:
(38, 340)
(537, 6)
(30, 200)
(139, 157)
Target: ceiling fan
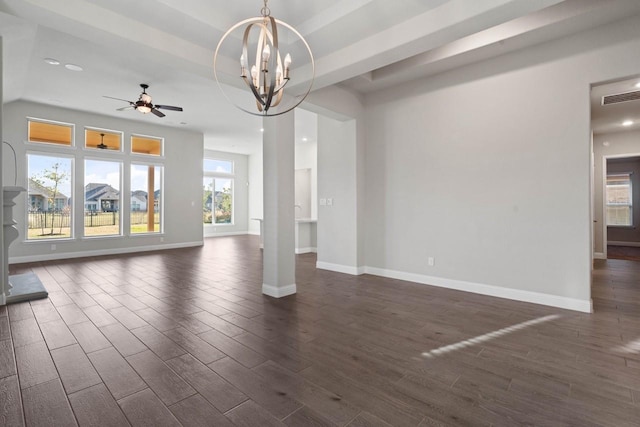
(144, 105)
(102, 145)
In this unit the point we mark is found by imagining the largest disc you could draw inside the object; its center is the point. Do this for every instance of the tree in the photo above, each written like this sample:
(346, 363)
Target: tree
(51, 180)
(223, 206)
(207, 202)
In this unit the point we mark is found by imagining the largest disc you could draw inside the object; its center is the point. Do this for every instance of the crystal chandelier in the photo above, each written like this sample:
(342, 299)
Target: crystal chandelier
(269, 72)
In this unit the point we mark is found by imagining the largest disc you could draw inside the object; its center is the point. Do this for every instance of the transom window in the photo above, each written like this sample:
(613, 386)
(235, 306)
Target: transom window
(149, 145)
(50, 132)
(102, 139)
(218, 166)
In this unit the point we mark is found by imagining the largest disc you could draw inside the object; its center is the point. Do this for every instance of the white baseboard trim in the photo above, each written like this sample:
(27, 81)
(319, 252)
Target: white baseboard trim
(224, 233)
(585, 306)
(599, 255)
(339, 268)
(100, 252)
(278, 292)
(253, 233)
(631, 244)
(306, 250)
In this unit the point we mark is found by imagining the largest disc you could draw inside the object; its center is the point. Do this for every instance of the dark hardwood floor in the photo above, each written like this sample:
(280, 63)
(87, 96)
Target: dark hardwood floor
(185, 337)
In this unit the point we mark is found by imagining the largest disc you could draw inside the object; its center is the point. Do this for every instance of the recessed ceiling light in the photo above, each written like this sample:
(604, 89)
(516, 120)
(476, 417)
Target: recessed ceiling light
(51, 61)
(627, 123)
(304, 139)
(606, 143)
(73, 67)
(261, 129)
(638, 84)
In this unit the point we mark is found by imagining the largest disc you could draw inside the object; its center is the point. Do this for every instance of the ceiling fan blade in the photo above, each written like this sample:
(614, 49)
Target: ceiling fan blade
(169, 107)
(157, 113)
(119, 99)
(128, 107)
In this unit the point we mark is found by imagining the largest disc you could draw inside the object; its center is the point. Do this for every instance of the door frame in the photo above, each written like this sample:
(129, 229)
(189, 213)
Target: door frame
(605, 237)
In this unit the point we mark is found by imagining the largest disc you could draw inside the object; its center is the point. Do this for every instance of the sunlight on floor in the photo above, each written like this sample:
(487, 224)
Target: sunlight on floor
(632, 347)
(489, 336)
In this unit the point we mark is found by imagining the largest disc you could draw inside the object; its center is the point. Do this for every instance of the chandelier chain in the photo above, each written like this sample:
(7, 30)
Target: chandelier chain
(265, 11)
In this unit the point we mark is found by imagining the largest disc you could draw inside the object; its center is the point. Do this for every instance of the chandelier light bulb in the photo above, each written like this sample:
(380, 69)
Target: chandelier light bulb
(266, 53)
(243, 66)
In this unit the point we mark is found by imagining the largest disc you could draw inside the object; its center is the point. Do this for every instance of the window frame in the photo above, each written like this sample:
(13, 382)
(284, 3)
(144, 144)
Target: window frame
(121, 165)
(160, 205)
(105, 131)
(72, 216)
(146, 155)
(72, 126)
(221, 175)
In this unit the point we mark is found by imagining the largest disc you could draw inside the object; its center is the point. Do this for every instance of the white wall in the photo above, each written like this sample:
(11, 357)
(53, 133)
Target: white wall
(183, 152)
(474, 167)
(307, 158)
(620, 144)
(240, 195)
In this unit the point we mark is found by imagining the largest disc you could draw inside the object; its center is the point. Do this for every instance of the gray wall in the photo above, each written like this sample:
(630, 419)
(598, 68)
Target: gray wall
(472, 167)
(183, 152)
(337, 179)
(620, 144)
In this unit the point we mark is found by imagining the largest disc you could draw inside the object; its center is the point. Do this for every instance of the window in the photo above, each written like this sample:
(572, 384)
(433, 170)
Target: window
(218, 166)
(217, 187)
(49, 210)
(102, 198)
(101, 195)
(217, 200)
(50, 132)
(146, 145)
(146, 198)
(619, 200)
(102, 139)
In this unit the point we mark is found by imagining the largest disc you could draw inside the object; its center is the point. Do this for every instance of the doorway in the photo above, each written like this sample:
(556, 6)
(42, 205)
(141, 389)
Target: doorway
(615, 125)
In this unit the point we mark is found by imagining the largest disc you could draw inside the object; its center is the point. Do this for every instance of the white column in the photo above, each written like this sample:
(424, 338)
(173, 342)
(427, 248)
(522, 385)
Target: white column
(278, 278)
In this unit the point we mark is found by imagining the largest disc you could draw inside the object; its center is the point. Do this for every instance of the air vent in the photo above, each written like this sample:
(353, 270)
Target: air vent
(621, 97)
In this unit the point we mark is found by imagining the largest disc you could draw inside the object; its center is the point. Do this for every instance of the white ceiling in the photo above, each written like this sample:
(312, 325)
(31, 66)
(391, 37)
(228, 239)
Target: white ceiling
(361, 45)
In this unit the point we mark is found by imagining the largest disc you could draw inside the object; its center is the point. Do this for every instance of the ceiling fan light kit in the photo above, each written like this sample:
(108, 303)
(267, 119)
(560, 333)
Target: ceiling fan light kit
(271, 70)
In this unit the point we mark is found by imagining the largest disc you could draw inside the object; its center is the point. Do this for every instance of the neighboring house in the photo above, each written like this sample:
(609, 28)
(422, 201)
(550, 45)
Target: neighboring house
(156, 201)
(40, 198)
(101, 197)
(139, 201)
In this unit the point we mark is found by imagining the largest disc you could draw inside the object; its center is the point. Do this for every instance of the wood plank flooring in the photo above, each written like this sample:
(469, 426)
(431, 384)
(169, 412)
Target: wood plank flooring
(185, 337)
